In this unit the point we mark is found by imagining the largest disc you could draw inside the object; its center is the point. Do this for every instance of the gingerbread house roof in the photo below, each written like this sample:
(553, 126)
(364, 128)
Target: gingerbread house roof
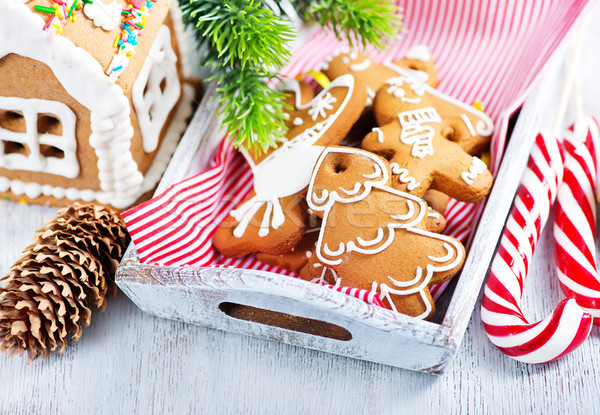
(99, 26)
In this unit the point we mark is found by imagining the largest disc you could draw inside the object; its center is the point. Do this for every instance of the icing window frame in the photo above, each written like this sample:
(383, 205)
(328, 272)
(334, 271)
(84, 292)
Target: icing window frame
(42, 139)
(156, 90)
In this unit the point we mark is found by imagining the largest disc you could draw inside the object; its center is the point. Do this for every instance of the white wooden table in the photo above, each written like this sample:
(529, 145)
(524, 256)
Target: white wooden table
(130, 362)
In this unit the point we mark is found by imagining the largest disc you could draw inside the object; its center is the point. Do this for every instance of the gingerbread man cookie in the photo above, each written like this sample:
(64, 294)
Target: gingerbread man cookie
(437, 200)
(374, 236)
(421, 157)
(470, 128)
(274, 217)
(418, 63)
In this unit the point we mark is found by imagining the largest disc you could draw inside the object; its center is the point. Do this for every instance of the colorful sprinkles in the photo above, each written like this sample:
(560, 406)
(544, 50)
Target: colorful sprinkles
(132, 26)
(61, 13)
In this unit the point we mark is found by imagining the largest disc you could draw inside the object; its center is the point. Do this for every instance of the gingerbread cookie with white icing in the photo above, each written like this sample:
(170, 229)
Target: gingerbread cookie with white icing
(422, 157)
(274, 217)
(417, 63)
(303, 261)
(470, 128)
(375, 236)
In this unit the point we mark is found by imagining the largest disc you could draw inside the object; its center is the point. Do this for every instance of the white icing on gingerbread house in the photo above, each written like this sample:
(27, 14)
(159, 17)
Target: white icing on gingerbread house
(72, 124)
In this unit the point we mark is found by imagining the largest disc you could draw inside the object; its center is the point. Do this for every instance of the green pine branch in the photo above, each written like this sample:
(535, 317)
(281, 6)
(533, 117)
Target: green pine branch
(247, 43)
(360, 21)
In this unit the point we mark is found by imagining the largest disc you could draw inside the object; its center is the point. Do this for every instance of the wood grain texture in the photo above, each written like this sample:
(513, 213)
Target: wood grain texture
(130, 362)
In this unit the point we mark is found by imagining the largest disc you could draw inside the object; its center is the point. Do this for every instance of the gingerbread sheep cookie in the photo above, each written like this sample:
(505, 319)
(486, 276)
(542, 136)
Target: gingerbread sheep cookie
(374, 236)
(422, 158)
(274, 217)
(418, 63)
(470, 128)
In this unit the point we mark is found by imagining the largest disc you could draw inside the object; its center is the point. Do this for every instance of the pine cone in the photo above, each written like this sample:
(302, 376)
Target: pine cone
(49, 292)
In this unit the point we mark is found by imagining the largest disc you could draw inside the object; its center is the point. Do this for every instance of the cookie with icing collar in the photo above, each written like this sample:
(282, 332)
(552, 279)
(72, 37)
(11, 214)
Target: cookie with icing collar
(375, 236)
(418, 63)
(422, 157)
(274, 217)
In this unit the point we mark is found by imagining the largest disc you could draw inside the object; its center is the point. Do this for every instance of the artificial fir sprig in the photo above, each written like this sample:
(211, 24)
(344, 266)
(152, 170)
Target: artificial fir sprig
(241, 32)
(362, 21)
(251, 110)
(246, 43)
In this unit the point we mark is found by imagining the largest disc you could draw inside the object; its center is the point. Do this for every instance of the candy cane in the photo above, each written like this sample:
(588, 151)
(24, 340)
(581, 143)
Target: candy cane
(506, 326)
(575, 218)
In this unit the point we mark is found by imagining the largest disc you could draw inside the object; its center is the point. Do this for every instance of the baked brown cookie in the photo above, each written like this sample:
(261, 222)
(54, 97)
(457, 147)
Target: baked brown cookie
(421, 157)
(437, 200)
(303, 261)
(273, 218)
(375, 236)
(470, 128)
(418, 63)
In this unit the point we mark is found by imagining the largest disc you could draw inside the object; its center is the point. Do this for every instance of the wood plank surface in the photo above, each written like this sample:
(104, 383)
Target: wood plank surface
(128, 362)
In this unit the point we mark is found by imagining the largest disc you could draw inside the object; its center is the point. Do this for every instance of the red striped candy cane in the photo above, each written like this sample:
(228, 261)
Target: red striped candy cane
(575, 218)
(503, 320)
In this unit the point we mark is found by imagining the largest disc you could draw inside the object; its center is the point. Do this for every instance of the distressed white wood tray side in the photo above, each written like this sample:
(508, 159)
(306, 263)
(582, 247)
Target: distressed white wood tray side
(194, 294)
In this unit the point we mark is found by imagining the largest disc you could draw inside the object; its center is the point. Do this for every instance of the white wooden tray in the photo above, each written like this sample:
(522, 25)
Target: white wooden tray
(345, 325)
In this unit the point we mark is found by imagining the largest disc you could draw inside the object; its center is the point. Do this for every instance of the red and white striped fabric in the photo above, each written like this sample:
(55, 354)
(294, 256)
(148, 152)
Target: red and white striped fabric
(575, 217)
(488, 51)
(365, 295)
(503, 320)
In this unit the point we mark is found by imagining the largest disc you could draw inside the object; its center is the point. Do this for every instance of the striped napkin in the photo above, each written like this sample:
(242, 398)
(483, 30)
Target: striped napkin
(487, 51)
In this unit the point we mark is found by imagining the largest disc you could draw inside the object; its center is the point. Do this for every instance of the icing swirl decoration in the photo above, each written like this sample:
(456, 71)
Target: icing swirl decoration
(404, 176)
(415, 85)
(395, 231)
(477, 168)
(104, 15)
(415, 133)
(321, 106)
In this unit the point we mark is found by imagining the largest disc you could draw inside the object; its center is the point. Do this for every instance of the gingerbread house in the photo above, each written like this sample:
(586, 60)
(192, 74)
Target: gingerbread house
(91, 98)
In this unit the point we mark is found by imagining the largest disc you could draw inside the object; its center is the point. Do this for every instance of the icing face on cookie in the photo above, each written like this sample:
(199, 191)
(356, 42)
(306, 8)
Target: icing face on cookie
(417, 63)
(463, 124)
(388, 250)
(421, 158)
(264, 222)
